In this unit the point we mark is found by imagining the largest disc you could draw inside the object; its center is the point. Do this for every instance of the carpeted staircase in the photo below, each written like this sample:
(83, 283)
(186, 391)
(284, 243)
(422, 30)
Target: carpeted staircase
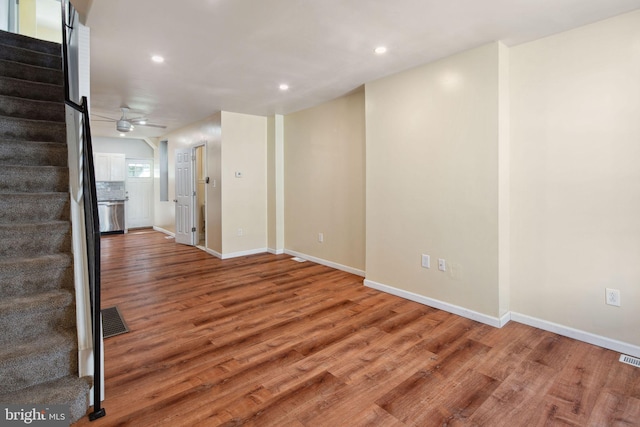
(38, 342)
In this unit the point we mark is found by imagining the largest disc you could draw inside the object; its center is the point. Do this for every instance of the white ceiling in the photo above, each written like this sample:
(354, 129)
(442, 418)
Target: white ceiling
(233, 54)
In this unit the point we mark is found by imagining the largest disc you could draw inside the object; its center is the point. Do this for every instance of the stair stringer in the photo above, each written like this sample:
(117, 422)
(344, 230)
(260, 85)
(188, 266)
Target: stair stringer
(79, 76)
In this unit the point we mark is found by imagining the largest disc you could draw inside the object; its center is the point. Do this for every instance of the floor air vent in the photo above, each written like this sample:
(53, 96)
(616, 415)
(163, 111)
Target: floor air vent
(298, 259)
(629, 360)
(112, 322)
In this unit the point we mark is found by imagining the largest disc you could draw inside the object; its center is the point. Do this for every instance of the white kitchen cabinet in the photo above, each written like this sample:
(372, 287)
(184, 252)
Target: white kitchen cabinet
(109, 166)
(118, 168)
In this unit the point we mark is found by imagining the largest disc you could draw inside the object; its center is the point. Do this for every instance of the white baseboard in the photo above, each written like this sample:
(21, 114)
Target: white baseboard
(275, 251)
(451, 308)
(243, 253)
(162, 230)
(577, 334)
(325, 262)
(545, 325)
(212, 252)
(234, 254)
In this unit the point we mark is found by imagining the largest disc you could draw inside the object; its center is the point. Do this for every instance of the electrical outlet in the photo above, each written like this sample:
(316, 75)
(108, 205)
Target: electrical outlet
(442, 264)
(612, 297)
(240, 232)
(320, 237)
(426, 261)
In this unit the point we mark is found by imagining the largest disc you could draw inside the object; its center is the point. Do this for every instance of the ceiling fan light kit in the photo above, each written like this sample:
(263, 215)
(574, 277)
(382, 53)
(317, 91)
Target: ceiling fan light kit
(125, 124)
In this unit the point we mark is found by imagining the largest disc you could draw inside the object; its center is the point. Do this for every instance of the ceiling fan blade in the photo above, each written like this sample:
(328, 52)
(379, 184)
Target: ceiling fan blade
(104, 117)
(103, 120)
(151, 125)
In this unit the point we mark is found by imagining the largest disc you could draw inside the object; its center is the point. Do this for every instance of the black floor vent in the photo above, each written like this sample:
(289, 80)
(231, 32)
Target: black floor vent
(112, 322)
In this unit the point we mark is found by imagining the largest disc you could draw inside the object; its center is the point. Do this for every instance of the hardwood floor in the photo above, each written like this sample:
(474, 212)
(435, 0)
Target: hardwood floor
(266, 341)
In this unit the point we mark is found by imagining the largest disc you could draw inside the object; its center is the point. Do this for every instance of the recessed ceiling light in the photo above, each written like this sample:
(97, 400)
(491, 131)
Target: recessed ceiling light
(380, 50)
(157, 58)
(142, 122)
(284, 86)
(122, 134)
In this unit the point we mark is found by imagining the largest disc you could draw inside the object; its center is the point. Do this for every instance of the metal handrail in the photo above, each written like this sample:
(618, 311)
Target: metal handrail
(91, 220)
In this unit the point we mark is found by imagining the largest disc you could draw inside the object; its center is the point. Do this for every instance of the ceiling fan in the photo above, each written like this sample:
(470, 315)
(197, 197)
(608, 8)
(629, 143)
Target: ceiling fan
(126, 124)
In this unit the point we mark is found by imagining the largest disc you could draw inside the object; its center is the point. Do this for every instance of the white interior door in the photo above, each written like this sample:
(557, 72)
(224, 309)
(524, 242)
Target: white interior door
(185, 229)
(139, 188)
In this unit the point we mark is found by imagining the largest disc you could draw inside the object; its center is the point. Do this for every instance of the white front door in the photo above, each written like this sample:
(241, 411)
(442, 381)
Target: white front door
(139, 188)
(185, 195)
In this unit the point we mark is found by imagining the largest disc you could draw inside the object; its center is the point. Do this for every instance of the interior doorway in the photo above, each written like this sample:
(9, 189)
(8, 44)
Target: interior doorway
(201, 196)
(190, 180)
(139, 193)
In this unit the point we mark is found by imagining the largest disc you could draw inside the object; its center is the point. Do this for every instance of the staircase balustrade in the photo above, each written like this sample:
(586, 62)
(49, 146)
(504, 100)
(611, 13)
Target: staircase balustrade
(87, 192)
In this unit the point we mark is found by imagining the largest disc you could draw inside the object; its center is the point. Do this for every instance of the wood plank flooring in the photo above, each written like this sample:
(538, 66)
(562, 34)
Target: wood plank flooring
(266, 341)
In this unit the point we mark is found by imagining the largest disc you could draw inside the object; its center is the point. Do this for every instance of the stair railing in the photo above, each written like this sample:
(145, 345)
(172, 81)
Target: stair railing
(90, 204)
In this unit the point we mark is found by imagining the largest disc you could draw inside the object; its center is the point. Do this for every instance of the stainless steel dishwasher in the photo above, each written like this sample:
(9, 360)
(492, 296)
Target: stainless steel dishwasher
(111, 215)
(111, 198)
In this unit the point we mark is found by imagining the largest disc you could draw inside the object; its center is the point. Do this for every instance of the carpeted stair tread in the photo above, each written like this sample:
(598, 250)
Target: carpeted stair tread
(69, 390)
(32, 239)
(50, 300)
(20, 71)
(33, 153)
(33, 179)
(30, 43)
(25, 363)
(34, 207)
(26, 89)
(12, 106)
(30, 317)
(33, 130)
(28, 56)
(22, 276)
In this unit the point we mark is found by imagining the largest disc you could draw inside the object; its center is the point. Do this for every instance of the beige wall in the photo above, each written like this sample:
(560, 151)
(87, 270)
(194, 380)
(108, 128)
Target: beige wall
(234, 142)
(271, 182)
(214, 188)
(275, 184)
(324, 181)
(432, 180)
(244, 200)
(27, 18)
(575, 129)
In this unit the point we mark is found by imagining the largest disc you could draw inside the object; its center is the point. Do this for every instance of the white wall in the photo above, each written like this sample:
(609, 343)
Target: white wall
(132, 148)
(4, 15)
(432, 180)
(575, 129)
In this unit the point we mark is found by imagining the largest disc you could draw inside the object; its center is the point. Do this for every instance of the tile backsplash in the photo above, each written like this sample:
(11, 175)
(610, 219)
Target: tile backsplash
(110, 190)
